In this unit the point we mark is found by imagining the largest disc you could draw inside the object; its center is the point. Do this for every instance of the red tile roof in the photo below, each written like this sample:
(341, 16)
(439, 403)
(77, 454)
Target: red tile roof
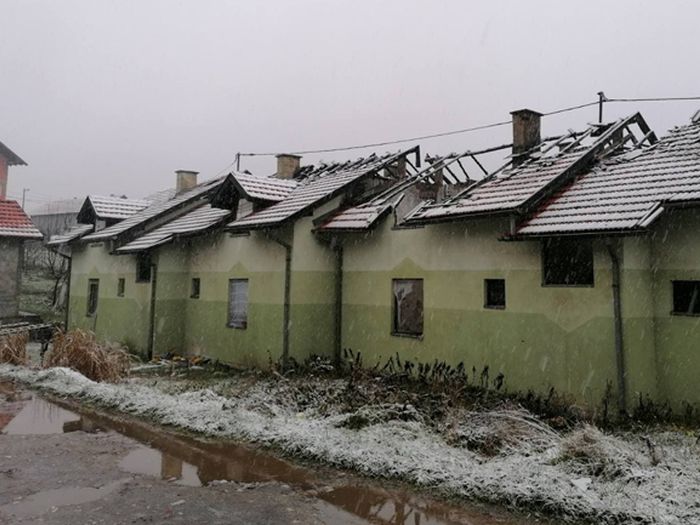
(15, 223)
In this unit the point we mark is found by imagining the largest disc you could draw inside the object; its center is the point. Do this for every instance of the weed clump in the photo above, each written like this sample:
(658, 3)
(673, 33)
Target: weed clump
(13, 348)
(80, 350)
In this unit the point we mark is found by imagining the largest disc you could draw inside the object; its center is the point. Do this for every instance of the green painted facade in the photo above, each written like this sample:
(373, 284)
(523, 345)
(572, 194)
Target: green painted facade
(546, 337)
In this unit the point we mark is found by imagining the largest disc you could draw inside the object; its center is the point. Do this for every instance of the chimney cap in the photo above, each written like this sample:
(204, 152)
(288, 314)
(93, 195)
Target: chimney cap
(187, 171)
(288, 155)
(525, 111)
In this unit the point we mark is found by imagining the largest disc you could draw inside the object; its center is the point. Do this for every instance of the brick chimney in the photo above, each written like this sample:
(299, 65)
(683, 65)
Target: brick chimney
(287, 165)
(185, 180)
(526, 133)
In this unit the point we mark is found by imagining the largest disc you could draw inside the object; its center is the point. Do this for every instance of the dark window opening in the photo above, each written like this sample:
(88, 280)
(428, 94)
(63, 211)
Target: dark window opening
(567, 262)
(686, 297)
(194, 292)
(93, 292)
(238, 303)
(407, 307)
(121, 285)
(143, 268)
(495, 293)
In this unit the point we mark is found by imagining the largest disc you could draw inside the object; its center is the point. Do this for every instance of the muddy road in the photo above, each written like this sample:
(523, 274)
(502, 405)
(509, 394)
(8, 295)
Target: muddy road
(70, 465)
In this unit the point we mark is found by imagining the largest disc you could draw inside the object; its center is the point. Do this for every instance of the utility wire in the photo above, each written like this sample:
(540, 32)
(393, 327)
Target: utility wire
(414, 139)
(650, 99)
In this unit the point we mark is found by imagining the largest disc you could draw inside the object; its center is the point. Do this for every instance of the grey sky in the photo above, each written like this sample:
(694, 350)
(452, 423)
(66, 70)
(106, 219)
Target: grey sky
(112, 97)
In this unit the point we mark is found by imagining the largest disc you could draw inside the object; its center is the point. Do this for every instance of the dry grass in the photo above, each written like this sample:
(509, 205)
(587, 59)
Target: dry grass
(13, 349)
(81, 351)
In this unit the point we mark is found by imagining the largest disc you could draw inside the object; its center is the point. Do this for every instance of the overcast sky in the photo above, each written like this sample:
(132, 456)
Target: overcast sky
(112, 97)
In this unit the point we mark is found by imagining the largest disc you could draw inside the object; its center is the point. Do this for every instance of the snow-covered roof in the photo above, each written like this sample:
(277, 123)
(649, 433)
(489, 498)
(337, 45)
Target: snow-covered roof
(270, 189)
(110, 208)
(315, 186)
(158, 210)
(626, 192)
(193, 222)
(15, 223)
(74, 233)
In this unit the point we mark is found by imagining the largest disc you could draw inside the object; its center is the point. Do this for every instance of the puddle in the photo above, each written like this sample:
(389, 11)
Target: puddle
(188, 461)
(52, 499)
(41, 417)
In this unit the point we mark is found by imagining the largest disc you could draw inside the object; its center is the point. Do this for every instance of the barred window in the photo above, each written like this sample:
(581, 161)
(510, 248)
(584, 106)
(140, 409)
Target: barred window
(92, 298)
(408, 307)
(238, 303)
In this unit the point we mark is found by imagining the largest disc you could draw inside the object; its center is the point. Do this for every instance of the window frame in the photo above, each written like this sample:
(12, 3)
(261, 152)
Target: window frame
(90, 308)
(195, 291)
(488, 305)
(543, 263)
(121, 287)
(394, 328)
(674, 282)
(230, 323)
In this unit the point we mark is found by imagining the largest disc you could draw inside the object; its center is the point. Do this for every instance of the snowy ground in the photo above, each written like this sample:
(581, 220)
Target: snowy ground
(583, 474)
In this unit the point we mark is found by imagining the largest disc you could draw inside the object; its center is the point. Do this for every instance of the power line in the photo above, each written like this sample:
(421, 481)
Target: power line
(650, 99)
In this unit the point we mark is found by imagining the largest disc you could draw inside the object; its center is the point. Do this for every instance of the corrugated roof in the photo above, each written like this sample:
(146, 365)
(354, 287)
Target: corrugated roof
(75, 232)
(156, 210)
(15, 223)
(192, 222)
(626, 192)
(270, 189)
(317, 185)
(116, 207)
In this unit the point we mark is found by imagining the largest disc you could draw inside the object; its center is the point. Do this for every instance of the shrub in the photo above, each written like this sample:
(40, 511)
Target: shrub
(80, 350)
(13, 348)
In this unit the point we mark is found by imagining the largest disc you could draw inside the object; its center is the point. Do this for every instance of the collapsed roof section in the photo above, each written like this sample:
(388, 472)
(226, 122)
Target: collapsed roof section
(316, 185)
(627, 192)
(15, 223)
(517, 189)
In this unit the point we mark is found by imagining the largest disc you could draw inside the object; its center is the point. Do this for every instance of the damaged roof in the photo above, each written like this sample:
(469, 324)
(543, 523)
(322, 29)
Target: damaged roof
(517, 189)
(193, 222)
(15, 223)
(626, 192)
(315, 186)
(158, 210)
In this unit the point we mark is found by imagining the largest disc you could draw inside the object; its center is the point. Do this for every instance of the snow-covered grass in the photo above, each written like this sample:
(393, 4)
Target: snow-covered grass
(583, 474)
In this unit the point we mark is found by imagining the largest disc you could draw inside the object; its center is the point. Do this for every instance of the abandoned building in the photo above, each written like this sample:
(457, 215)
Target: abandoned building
(574, 266)
(15, 229)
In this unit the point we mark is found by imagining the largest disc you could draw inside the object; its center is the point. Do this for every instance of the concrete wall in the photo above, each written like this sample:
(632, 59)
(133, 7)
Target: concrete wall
(10, 276)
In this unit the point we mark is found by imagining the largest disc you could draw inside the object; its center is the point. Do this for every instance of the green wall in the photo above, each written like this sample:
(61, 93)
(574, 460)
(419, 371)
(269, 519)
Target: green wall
(560, 337)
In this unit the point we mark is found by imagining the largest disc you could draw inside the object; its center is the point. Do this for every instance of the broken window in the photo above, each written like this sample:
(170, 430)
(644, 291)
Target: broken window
(143, 268)
(238, 303)
(121, 284)
(194, 290)
(93, 290)
(567, 262)
(408, 306)
(686, 297)
(495, 293)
